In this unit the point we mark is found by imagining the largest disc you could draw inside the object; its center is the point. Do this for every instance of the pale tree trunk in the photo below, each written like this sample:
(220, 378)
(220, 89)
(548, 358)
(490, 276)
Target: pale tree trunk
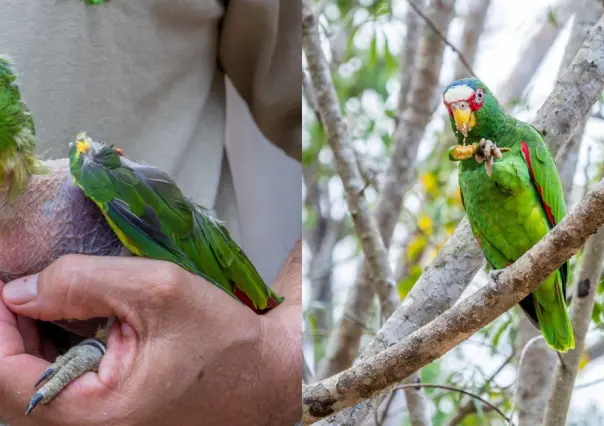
(505, 290)
(582, 305)
(535, 51)
(586, 17)
(321, 240)
(535, 375)
(473, 28)
(397, 178)
(447, 276)
(413, 26)
(365, 227)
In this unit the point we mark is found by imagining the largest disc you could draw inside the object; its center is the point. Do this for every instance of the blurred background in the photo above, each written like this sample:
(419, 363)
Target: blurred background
(385, 62)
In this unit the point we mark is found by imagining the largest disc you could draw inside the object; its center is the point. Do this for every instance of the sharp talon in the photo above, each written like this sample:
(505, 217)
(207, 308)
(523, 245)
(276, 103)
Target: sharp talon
(49, 372)
(33, 402)
(80, 359)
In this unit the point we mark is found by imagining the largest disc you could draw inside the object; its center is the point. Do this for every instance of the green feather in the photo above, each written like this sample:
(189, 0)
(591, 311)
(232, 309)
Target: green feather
(152, 218)
(508, 211)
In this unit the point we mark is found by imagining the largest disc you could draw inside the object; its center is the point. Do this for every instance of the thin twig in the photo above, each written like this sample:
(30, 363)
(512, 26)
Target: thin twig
(442, 36)
(386, 408)
(454, 389)
(588, 384)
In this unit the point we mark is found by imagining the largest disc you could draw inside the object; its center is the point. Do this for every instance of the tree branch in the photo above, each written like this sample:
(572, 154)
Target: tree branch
(443, 281)
(398, 178)
(534, 375)
(441, 34)
(534, 53)
(473, 27)
(430, 342)
(581, 309)
(469, 407)
(344, 158)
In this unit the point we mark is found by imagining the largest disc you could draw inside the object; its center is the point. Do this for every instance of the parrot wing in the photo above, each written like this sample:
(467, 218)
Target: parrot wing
(545, 179)
(152, 218)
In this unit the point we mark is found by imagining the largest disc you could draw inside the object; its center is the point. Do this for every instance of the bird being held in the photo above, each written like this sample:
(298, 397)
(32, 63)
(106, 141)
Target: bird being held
(97, 202)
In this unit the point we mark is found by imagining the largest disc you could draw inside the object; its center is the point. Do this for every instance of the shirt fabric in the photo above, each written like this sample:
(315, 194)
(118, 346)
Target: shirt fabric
(149, 76)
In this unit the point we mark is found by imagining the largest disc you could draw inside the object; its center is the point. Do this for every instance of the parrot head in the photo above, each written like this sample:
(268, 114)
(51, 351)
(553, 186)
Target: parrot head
(473, 110)
(17, 134)
(83, 149)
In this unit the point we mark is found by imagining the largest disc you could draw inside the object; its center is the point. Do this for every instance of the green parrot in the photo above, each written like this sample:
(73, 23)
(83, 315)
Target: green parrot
(100, 203)
(512, 200)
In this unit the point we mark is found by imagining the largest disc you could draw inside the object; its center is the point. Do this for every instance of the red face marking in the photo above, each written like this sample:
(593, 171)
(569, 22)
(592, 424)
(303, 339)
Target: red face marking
(472, 102)
(527, 158)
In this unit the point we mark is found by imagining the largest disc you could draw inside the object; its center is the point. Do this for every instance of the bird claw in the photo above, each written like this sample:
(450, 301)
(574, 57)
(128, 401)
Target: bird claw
(78, 360)
(487, 152)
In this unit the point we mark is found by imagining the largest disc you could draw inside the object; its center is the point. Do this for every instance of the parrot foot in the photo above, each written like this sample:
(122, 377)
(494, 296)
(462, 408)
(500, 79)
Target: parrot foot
(78, 360)
(487, 151)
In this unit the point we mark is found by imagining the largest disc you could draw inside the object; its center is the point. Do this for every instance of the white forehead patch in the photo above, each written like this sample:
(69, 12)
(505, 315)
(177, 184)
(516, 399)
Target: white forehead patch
(458, 93)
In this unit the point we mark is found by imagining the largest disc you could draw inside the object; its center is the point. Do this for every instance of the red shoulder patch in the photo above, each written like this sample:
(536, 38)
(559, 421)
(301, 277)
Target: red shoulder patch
(527, 158)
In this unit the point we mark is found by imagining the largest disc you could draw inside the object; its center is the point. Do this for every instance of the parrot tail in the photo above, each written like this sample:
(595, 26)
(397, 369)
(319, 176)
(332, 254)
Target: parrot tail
(555, 322)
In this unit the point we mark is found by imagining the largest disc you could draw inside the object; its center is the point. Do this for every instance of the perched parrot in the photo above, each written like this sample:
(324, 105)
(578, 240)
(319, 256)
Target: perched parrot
(100, 203)
(511, 191)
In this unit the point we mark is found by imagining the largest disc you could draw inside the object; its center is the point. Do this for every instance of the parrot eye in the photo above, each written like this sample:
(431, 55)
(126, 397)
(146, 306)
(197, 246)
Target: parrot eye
(479, 95)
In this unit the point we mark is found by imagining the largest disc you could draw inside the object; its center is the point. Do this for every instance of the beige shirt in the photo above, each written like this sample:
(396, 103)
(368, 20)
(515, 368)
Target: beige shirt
(147, 76)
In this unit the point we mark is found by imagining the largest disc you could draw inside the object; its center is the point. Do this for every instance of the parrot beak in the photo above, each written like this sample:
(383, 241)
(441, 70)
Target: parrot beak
(464, 117)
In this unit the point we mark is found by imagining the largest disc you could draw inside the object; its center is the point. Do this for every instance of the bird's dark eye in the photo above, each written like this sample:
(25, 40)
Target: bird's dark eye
(479, 95)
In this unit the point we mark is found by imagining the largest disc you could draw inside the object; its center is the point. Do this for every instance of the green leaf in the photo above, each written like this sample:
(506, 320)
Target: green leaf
(373, 51)
(389, 58)
(499, 332)
(596, 314)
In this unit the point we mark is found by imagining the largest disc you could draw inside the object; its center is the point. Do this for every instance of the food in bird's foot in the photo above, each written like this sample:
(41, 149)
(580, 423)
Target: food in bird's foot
(486, 150)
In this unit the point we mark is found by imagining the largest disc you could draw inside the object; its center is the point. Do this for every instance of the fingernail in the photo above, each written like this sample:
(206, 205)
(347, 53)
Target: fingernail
(21, 291)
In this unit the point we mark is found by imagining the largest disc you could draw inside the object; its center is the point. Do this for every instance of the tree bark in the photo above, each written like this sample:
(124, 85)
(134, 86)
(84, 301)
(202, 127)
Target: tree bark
(535, 375)
(344, 341)
(581, 308)
(442, 282)
(585, 18)
(365, 226)
(409, 55)
(430, 342)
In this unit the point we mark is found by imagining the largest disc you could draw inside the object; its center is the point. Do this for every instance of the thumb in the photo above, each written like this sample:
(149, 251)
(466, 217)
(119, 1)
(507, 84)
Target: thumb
(85, 287)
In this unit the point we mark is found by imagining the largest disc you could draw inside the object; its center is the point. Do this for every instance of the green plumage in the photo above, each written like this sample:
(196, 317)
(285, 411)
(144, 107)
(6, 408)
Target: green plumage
(17, 135)
(515, 207)
(153, 219)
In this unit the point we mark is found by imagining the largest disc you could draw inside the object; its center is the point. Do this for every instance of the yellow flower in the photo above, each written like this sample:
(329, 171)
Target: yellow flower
(429, 183)
(424, 223)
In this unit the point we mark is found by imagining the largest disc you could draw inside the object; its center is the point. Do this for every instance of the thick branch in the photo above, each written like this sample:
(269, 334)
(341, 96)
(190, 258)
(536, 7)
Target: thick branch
(398, 178)
(581, 308)
(430, 342)
(443, 282)
(345, 162)
(535, 374)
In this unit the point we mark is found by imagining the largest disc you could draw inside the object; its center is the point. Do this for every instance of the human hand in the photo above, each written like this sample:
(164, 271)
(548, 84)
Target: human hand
(183, 351)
